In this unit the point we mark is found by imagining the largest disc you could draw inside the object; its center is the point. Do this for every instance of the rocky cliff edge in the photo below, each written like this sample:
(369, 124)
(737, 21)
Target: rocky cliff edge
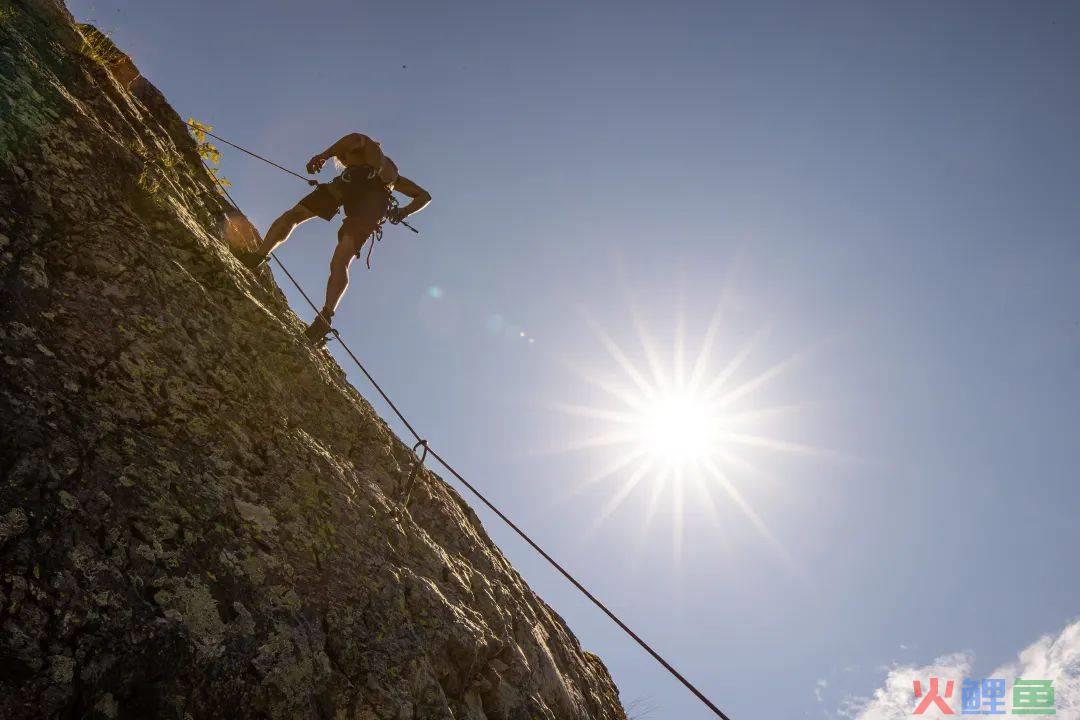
(199, 516)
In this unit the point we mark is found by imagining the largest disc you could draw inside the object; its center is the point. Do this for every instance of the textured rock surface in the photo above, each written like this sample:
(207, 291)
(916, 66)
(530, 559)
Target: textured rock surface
(198, 515)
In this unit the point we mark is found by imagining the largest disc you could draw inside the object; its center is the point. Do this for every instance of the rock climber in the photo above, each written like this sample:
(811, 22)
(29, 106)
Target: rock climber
(364, 190)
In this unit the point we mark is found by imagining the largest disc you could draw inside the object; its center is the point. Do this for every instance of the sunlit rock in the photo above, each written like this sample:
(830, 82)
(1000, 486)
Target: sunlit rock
(199, 516)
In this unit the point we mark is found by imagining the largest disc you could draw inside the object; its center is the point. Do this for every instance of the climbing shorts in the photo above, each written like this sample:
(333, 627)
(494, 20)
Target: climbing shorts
(364, 198)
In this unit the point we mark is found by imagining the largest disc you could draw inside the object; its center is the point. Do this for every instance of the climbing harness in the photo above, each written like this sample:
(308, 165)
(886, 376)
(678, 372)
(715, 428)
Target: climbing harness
(347, 174)
(377, 234)
(422, 443)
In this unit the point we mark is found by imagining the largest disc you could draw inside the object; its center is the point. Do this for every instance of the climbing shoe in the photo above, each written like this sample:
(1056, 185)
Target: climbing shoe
(319, 328)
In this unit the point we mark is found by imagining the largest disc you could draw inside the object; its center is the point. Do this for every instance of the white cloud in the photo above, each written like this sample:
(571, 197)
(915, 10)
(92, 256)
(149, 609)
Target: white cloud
(1048, 658)
(896, 700)
(1057, 659)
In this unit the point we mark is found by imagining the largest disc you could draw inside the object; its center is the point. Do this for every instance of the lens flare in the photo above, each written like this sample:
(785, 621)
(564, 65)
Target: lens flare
(682, 427)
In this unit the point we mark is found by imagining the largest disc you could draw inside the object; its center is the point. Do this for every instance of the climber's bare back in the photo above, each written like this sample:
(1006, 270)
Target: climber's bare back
(359, 149)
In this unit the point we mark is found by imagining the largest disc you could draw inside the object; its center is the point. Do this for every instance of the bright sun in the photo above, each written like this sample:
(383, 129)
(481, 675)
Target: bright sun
(677, 427)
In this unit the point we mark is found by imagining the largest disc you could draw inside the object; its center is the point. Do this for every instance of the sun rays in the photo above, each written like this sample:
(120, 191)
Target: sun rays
(681, 424)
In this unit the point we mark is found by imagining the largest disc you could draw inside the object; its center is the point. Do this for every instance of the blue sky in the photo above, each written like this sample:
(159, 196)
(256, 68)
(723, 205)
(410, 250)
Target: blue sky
(889, 188)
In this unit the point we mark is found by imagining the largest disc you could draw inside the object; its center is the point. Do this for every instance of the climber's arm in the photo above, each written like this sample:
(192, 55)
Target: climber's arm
(338, 149)
(420, 198)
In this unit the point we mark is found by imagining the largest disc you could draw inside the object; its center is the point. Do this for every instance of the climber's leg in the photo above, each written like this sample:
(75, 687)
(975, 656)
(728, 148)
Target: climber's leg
(281, 228)
(351, 238)
(278, 233)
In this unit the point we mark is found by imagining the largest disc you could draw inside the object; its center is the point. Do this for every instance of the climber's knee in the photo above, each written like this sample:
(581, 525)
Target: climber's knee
(288, 220)
(343, 255)
(296, 215)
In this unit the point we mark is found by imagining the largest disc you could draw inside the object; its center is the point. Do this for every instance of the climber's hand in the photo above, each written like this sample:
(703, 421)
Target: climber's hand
(315, 164)
(396, 215)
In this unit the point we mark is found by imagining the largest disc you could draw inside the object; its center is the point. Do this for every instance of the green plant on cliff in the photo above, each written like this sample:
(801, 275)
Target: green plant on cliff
(207, 150)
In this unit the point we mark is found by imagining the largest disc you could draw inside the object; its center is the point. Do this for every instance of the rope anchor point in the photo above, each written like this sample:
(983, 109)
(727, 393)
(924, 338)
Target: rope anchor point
(418, 462)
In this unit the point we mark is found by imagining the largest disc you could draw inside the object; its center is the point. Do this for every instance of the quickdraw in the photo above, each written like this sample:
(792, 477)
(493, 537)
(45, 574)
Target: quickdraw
(417, 465)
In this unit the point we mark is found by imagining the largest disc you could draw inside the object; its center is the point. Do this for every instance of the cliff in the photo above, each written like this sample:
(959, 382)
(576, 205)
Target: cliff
(199, 516)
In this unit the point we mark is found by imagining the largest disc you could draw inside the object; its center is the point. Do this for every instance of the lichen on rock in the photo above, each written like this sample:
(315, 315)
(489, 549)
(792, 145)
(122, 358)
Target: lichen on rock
(199, 516)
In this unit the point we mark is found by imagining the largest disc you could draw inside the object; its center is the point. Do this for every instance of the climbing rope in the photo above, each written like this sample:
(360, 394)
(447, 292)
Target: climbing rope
(202, 129)
(419, 460)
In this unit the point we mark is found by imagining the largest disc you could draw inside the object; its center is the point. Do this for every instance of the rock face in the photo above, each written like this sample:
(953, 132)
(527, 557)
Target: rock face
(199, 517)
